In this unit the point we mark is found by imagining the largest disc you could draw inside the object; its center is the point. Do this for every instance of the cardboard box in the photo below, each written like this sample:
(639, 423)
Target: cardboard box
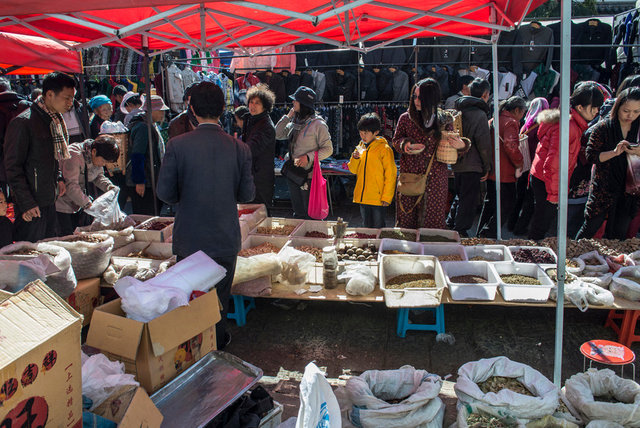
(154, 235)
(131, 408)
(85, 298)
(40, 368)
(160, 349)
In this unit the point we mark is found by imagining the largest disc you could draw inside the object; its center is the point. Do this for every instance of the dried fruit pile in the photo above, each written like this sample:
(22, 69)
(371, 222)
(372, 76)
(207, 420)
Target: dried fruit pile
(519, 279)
(533, 255)
(276, 230)
(264, 248)
(25, 252)
(398, 234)
(85, 238)
(143, 254)
(364, 253)
(436, 238)
(156, 225)
(497, 383)
(360, 235)
(316, 234)
(316, 252)
(411, 280)
(450, 258)
(468, 279)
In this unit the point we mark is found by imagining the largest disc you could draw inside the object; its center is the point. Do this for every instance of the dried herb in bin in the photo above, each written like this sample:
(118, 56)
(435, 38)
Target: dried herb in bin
(468, 279)
(411, 280)
(398, 234)
(519, 279)
(436, 238)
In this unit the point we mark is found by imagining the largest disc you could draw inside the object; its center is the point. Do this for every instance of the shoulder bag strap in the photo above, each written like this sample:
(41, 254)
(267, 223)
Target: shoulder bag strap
(425, 187)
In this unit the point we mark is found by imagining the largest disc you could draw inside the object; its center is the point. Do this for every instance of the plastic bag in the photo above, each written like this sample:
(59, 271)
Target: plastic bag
(102, 377)
(198, 272)
(603, 424)
(248, 268)
(318, 204)
(601, 265)
(507, 402)
(18, 273)
(602, 280)
(419, 390)
(626, 288)
(121, 235)
(143, 302)
(582, 388)
(361, 280)
(109, 127)
(551, 421)
(296, 266)
(106, 209)
(115, 271)
(576, 270)
(89, 259)
(318, 404)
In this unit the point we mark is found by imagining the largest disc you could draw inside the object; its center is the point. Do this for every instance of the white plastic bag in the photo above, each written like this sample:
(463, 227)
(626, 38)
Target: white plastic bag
(626, 288)
(248, 268)
(601, 265)
(361, 280)
(296, 266)
(18, 273)
(602, 280)
(102, 377)
(582, 388)
(506, 401)
(89, 259)
(121, 236)
(198, 272)
(109, 127)
(143, 302)
(576, 270)
(598, 295)
(318, 404)
(418, 389)
(106, 209)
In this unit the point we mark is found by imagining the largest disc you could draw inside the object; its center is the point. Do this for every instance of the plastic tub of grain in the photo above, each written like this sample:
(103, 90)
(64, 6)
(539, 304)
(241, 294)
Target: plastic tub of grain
(314, 229)
(445, 252)
(488, 253)
(523, 282)
(411, 281)
(543, 256)
(361, 233)
(438, 236)
(258, 244)
(276, 226)
(399, 233)
(470, 280)
(396, 247)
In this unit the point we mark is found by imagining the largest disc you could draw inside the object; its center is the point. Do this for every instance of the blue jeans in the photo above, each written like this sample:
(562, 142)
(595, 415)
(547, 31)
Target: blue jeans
(372, 215)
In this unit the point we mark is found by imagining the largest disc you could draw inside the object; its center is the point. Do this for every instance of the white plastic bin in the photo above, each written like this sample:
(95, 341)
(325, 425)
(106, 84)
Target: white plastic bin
(514, 249)
(273, 419)
(450, 236)
(469, 291)
(444, 250)
(364, 244)
(490, 253)
(255, 240)
(273, 222)
(398, 229)
(154, 235)
(407, 247)
(375, 233)
(307, 226)
(392, 266)
(521, 292)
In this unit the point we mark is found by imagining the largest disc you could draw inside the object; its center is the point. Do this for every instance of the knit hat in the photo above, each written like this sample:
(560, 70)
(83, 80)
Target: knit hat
(126, 98)
(305, 96)
(98, 100)
(156, 103)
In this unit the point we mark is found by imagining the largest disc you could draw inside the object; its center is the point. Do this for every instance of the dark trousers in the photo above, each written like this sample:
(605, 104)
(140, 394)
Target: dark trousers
(487, 226)
(544, 211)
(575, 218)
(463, 209)
(143, 205)
(618, 219)
(67, 223)
(373, 215)
(45, 226)
(523, 210)
(299, 199)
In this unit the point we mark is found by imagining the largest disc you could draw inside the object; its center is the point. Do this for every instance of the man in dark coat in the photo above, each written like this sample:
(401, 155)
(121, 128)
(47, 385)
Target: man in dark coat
(185, 121)
(260, 135)
(35, 142)
(473, 167)
(206, 172)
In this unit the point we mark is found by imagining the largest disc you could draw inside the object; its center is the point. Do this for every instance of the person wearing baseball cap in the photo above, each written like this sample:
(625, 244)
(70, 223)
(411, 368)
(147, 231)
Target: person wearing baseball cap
(307, 134)
(139, 167)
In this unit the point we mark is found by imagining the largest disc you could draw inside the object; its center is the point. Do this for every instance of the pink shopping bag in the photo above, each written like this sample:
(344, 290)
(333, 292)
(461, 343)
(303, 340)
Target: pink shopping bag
(318, 203)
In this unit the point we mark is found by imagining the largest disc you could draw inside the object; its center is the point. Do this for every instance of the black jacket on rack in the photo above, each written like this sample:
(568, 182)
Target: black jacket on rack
(306, 79)
(453, 56)
(275, 83)
(368, 86)
(339, 84)
(384, 82)
(291, 82)
(480, 55)
(505, 53)
(389, 56)
(400, 85)
(592, 32)
(528, 57)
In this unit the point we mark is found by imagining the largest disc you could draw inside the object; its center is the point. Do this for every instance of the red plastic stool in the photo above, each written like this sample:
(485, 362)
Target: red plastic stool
(609, 353)
(611, 322)
(629, 328)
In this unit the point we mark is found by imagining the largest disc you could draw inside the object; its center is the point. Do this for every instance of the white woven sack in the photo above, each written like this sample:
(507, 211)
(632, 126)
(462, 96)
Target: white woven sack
(120, 237)
(626, 288)
(602, 265)
(89, 259)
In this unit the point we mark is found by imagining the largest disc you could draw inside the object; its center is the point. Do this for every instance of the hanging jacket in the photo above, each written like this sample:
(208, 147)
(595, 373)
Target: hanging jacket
(475, 127)
(546, 164)
(291, 82)
(376, 173)
(275, 83)
(319, 84)
(400, 86)
(384, 82)
(368, 86)
(526, 58)
(592, 32)
(510, 156)
(339, 84)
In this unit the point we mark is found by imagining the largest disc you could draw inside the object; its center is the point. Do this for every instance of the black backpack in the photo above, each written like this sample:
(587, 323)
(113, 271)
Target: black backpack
(11, 105)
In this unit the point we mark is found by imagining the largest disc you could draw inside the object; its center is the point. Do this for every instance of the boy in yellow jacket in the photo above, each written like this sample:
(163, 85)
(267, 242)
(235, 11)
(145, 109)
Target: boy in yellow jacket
(372, 162)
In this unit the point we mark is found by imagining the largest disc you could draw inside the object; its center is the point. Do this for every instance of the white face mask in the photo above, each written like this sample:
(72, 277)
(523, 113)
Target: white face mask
(429, 123)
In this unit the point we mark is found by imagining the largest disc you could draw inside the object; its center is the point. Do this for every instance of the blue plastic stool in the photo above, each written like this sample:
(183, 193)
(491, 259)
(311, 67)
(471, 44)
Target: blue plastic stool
(243, 305)
(404, 324)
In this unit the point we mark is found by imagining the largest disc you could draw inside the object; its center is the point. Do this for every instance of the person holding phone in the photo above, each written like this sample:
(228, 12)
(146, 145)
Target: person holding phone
(608, 145)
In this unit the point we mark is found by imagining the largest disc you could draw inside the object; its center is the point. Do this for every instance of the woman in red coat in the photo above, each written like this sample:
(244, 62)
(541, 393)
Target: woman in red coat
(545, 168)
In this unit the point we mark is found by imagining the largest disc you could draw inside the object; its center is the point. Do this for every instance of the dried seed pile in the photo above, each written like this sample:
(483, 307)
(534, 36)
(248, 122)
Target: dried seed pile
(264, 248)
(571, 263)
(25, 252)
(156, 225)
(85, 238)
(316, 252)
(519, 279)
(360, 235)
(394, 252)
(316, 234)
(533, 255)
(469, 242)
(468, 279)
(398, 234)
(476, 420)
(411, 280)
(450, 258)
(436, 238)
(497, 383)
(276, 230)
(553, 274)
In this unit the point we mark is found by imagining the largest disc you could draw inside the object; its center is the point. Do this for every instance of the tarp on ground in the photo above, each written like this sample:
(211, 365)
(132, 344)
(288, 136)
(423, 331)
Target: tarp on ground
(20, 54)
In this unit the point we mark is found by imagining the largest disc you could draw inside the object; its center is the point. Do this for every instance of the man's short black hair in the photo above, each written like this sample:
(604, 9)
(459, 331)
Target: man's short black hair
(479, 87)
(207, 100)
(464, 80)
(119, 90)
(369, 122)
(5, 85)
(56, 82)
(106, 147)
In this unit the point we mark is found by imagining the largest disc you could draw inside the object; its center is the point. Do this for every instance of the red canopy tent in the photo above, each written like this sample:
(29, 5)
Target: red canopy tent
(20, 54)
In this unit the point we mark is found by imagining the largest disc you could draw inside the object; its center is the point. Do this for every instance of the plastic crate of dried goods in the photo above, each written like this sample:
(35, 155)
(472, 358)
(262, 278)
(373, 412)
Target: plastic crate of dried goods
(543, 256)
(276, 226)
(397, 247)
(257, 244)
(361, 233)
(143, 254)
(156, 229)
(312, 246)
(470, 280)
(411, 281)
(139, 218)
(399, 233)
(445, 252)
(440, 236)
(314, 229)
(252, 214)
(516, 282)
(488, 253)
(359, 251)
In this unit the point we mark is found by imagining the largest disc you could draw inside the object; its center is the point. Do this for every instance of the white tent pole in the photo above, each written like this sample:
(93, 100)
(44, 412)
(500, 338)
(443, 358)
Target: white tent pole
(565, 93)
(496, 132)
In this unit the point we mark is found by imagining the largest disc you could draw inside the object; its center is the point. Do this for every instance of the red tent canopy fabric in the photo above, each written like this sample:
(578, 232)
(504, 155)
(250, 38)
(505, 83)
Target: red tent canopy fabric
(171, 24)
(36, 55)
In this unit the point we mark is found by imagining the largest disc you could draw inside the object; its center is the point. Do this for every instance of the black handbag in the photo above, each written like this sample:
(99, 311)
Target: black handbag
(296, 174)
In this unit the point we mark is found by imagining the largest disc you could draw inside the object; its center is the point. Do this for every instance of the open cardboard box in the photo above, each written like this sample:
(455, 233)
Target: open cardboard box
(130, 408)
(85, 298)
(158, 350)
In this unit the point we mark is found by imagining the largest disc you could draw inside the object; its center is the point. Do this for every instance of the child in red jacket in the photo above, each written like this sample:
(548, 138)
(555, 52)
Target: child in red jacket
(545, 168)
